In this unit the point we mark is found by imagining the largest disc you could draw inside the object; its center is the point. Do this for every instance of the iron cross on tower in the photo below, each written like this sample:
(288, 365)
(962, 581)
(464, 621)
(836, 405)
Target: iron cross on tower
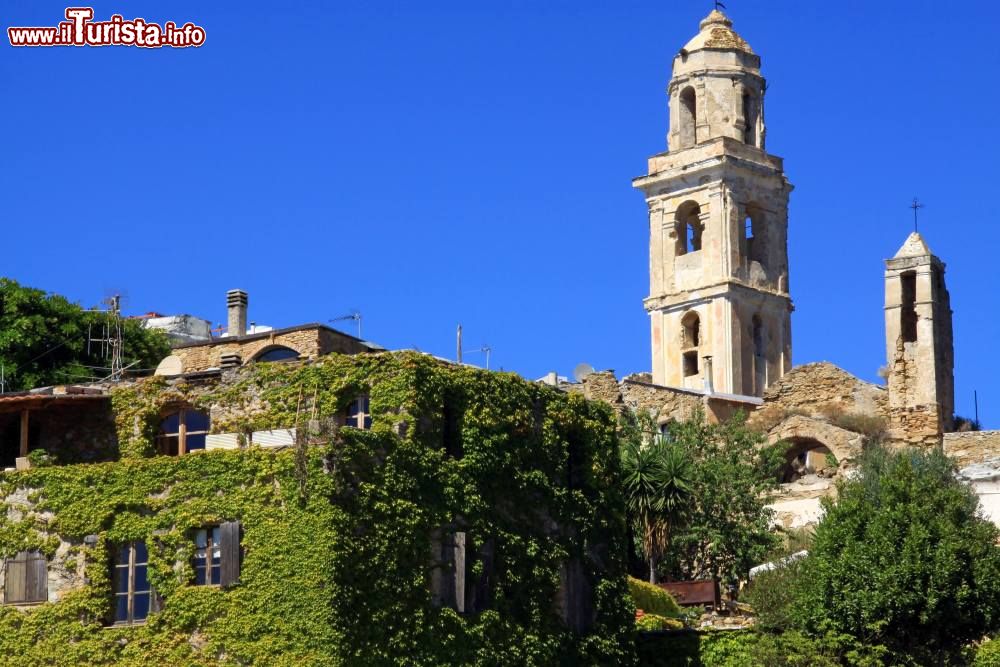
(916, 205)
(719, 5)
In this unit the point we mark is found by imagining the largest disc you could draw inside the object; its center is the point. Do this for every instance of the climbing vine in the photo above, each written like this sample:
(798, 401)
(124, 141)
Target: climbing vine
(337, 566)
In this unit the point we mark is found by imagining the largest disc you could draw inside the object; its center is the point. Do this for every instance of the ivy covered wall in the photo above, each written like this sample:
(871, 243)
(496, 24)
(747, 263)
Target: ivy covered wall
(339, 535)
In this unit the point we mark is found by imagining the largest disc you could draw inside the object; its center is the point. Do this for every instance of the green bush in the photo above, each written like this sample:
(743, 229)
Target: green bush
(772, 595)
(652, 599)
(654, 622)
(903, 560)
(988, 654)
(740, 648)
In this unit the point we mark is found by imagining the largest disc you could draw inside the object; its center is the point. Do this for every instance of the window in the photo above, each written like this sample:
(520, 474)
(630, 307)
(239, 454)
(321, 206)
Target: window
(182, 432)
(359, 413)
(759, 362)
(26, 579)
(690, 364)
(218, 555)
(754, 237)
(688, 117)
(749, 119)
(279, 353)
(688, 228)
(207, 557)
(133, 594)
(908, 307)
(692, 330)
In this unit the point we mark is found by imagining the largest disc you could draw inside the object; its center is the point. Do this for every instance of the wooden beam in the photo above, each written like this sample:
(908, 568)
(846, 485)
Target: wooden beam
(24, 433)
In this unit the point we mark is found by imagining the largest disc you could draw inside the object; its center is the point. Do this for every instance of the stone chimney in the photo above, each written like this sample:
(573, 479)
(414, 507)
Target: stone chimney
(236, 302)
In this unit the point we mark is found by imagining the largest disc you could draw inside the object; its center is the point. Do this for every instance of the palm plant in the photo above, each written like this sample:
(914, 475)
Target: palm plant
(657, 486)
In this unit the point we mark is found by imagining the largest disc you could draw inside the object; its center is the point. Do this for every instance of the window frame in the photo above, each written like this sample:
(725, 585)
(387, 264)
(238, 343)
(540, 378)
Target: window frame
(210, 568)
(361, 418)
(130, 592)
(182, 432)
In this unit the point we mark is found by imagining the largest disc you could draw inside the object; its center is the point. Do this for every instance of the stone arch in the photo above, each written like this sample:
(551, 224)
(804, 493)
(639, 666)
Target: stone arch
(805, 434)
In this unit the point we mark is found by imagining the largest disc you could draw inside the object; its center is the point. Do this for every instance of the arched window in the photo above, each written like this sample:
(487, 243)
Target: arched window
(750, 119)
(754, 240)
(908, 307)
(688, 228)
(278, 353)
(182, 432)
(691, 324)
(759, 363)
(688, 117)
(690, 340)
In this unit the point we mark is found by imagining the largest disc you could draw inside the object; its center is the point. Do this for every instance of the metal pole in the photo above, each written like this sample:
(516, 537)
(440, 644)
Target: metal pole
(459, 343)
(975, 400)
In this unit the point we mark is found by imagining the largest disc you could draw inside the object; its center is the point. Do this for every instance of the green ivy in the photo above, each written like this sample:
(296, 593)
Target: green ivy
(337, 542)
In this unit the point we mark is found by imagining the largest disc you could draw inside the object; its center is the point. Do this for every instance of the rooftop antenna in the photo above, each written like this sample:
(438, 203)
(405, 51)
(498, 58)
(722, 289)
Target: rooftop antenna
(485, 349)
(459, 343)
(356, 316)
(916, 205)
(109, 345)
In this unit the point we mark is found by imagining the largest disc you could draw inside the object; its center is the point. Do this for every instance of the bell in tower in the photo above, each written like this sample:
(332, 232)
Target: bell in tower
(718, 225)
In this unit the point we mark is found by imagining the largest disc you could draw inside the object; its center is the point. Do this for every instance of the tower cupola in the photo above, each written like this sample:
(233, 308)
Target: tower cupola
(716, 89)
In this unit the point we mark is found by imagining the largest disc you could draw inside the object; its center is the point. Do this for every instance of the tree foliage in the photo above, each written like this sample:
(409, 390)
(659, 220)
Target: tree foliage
(903, 560)
(726, 527)
(43, 339)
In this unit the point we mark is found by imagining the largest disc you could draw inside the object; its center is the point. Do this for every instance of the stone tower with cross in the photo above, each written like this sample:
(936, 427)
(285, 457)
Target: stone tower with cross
(719, 300)
(919, 347)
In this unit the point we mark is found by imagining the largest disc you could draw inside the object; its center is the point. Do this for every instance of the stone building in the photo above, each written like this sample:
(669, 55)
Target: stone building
(720, 302)
(718, 222)
(240, 344)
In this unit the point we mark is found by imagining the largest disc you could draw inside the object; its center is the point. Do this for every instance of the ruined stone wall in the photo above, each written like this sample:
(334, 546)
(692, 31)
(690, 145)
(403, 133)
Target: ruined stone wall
(812, 388)
(972, 447)
(637, 392)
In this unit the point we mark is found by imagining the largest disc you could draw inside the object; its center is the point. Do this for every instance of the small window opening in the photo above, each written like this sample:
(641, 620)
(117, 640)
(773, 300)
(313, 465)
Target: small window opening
(208, 557)
(759, 362)
(183, 432)
(750, 119)
(359, 413)
(690, 363)
(280, 353)
(689, 228)
(908, 309)
(688, 117)
(692, 330)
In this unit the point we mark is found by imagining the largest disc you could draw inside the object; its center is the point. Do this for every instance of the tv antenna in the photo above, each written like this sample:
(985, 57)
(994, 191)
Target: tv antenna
(356, 316)
(485, 349)
(109, 345)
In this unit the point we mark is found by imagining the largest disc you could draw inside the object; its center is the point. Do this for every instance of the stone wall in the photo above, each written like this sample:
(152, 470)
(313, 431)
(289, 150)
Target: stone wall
(814, 388)
(310, 342)
(972, 447)
(637, 392)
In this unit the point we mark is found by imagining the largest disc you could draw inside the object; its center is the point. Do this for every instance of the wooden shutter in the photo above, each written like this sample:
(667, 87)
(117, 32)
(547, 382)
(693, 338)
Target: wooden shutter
(229, 542)
(26, 578)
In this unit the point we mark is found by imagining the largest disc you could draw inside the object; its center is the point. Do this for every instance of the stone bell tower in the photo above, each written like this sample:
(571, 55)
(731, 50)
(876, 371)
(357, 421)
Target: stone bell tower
(919, 347)
(718, 225)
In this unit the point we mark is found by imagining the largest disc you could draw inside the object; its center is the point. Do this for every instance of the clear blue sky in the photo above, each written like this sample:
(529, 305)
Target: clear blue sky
(443, 162)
